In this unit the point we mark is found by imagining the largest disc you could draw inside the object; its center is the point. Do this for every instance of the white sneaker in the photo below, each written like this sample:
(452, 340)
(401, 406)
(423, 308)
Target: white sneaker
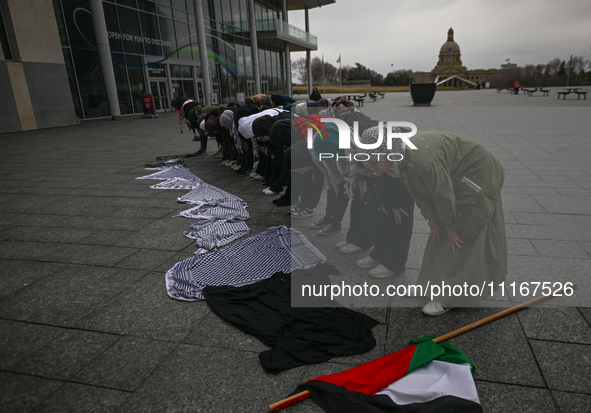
(367, 262)
(236, 167)
(350, 249)
(341, 244)
(268, 191)
(259, 177)
(435, 308)
(253, 174)
(381, 272)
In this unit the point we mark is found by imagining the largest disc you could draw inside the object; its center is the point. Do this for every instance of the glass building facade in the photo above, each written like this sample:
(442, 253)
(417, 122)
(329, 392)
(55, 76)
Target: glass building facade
(154, 49)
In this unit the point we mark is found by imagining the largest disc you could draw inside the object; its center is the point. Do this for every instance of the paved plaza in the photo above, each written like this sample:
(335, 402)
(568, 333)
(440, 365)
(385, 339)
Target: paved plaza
(86, 324)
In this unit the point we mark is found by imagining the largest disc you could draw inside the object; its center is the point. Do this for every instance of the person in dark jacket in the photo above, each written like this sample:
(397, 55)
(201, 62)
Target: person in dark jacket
(281, 100)
(315, 96)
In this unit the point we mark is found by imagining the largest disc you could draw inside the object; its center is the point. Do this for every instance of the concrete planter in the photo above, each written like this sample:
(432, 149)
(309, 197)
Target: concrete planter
(422, 93)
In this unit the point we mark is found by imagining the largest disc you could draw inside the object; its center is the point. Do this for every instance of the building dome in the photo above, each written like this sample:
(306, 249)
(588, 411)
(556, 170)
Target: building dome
(450, 46)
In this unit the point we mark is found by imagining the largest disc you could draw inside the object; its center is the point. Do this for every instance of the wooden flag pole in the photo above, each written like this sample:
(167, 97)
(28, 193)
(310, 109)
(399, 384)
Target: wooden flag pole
(296, 398)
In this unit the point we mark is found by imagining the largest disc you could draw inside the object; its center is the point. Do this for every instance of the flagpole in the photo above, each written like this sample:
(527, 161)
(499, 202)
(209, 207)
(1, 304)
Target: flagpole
(296, 398)
(323, 79)
(341, 73)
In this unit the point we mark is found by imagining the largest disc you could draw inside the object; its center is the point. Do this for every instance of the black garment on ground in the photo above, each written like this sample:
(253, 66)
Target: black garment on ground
(298, 336)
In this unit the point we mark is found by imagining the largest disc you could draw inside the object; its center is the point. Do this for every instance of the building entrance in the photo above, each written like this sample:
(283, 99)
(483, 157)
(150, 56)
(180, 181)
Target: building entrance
(160, 95)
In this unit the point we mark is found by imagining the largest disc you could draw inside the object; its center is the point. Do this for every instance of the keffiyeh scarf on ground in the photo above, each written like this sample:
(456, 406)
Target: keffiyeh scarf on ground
(278, 249)
(223, 209)
(206, 193)
(214, 233)
(174, 177)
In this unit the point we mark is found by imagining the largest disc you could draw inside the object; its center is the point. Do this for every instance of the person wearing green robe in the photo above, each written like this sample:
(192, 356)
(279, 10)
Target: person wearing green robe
(456, 183)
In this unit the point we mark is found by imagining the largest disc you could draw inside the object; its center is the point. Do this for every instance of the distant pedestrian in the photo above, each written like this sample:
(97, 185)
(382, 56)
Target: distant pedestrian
(315, 96)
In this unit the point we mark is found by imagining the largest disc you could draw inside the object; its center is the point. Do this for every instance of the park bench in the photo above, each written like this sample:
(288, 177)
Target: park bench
(382, 95)
(545, 92)
(373, 96)
(563, 95)
(530, 92)
(359, 100)
(581, 93)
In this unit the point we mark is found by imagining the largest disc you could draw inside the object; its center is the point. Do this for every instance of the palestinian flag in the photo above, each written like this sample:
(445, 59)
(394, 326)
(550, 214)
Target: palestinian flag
(425, 377)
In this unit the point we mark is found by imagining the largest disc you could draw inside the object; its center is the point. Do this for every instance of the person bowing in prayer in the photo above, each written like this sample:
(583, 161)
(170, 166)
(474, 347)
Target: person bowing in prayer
(456, 183)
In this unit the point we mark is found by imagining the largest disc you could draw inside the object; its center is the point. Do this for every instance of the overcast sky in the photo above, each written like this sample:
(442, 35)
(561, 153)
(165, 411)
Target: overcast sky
(409, 34)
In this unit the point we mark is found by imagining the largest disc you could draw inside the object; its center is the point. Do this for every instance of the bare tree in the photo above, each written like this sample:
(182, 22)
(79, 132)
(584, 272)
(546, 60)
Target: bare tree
(299, 70)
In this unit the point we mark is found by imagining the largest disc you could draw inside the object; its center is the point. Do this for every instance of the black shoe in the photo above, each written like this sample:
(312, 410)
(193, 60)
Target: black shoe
(283, 203)
(321, 223)
(200, 152)
(330, 229)
(280, 199)
(242, 172)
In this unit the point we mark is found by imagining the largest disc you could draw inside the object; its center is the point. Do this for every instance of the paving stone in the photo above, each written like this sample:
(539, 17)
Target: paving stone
(565, 366)
(18, 274)
(572, 402)
(88, 254)
(66, 355)
(561, 249)
(556, 324)
(144, 310)
(501, 398)
(19, 340)
(74, 397)
(564, 204)
(22, 393)
(200, 390)
(75, 292)
(126, 364)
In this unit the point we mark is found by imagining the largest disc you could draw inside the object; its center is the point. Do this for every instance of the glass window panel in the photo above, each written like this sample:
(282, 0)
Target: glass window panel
(190, 7)
(186, 72)
(167, 36)
(60, 25)
(180, 15)
(149, 24)
(188, 88)
(79, 26)
(226, 11)
(130, 3)
(164, 2)
(115, 38)
(247, 54)
(91, 83)
(180, 4)
(198, 73)
(164, 11)
(183, 40)
(146, 5)
(206, 10)
(131, 34)
(73, 83)
(175, 71)
(217, 11)
(123, 95)
(236, 17)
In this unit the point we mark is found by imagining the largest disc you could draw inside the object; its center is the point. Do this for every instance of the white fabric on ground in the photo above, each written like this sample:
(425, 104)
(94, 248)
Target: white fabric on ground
(436, 379)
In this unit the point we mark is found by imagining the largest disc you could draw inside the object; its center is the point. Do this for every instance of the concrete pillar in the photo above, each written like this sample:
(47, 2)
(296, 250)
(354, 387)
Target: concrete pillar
(289, 91)
(254, 47)
(102, 43)
(206, 75)
(308, 58)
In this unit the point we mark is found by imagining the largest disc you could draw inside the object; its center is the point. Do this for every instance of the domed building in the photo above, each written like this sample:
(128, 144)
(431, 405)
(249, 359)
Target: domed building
(449, 71)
